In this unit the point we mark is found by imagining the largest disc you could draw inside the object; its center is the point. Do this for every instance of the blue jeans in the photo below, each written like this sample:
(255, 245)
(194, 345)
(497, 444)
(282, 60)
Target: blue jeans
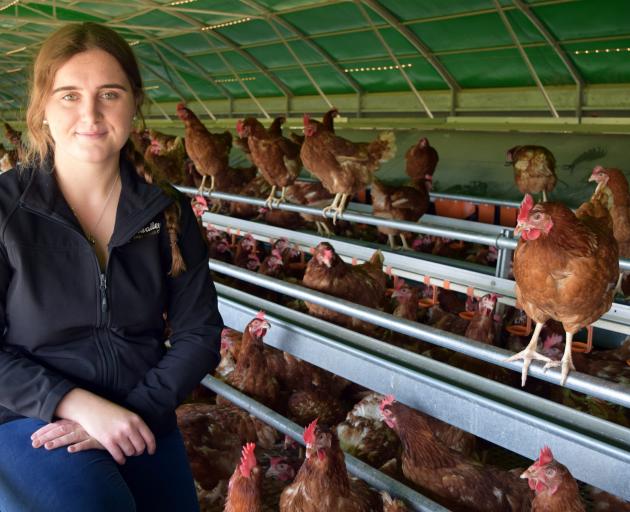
(40, 480)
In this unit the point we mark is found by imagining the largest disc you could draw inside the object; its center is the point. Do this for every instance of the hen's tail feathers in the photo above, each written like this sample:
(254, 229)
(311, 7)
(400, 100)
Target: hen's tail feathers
(377, 259)
(384, 146)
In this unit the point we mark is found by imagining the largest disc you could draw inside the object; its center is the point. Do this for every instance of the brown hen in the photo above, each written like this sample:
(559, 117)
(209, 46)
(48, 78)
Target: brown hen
(566, 266)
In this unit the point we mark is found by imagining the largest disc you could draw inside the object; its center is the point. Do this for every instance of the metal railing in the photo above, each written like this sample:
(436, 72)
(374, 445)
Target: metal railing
(501, 242)
(596, 451)
(357, 467)
(613, 392)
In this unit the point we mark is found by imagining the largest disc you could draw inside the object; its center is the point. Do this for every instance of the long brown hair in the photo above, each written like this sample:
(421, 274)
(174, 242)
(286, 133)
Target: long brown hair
(60, 47)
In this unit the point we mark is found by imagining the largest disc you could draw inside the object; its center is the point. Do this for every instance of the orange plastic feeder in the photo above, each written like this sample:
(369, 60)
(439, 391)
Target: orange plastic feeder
(580, 346)
(468, 315)
(454, 209)
(518, 329)
(507, 216)
(426, 302)
(485, 212)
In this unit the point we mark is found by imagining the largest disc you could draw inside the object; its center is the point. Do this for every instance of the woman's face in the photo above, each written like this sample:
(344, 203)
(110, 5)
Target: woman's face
(91, 108)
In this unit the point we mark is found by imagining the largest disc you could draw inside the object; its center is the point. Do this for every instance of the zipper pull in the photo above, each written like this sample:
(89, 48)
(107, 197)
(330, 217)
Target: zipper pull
(103, 293)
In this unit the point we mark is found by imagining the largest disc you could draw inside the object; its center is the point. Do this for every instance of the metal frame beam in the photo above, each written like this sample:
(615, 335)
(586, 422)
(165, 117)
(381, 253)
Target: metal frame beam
(164, 80)
(168, 65)
(422, 48)
(360, 469)
(301, 36)
(575, 74)
(595, 450)
(300, 64)
(229, 42)
(378, 34)
(530, 67)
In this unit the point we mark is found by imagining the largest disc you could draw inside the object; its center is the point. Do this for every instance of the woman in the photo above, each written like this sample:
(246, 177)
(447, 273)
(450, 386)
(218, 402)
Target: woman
(92, 258)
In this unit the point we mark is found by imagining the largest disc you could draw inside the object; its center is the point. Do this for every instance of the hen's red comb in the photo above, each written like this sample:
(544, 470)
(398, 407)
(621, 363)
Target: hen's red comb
(306, 119)
(260, 315)
(309, 432)
(545, 456)
(597, 169)
(526, 206)
(248, 459)
(388, 400)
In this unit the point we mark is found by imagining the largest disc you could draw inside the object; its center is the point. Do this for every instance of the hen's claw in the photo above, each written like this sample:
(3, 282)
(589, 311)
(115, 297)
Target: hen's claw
(527, 356)
(567, 365)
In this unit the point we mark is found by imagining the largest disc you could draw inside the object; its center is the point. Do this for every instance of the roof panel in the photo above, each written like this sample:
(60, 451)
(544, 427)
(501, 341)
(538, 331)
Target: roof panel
(193, 42)
(500, 68)
(481, 31)
(587, 18)
(599, 66)
(277, 55)
(210, 62)
(416, 9)
(467, 35)
(158, 20)
(382, 75)
(253, 31)
(329, 18)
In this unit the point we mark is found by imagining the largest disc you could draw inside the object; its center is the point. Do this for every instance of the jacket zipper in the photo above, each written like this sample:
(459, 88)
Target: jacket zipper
(103, 313)
(104, 291)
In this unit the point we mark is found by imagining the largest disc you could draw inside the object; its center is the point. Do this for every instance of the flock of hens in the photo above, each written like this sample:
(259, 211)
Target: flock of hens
(566, 272)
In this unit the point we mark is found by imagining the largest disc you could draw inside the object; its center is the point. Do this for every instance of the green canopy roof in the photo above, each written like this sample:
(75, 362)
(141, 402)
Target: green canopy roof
(403, 58)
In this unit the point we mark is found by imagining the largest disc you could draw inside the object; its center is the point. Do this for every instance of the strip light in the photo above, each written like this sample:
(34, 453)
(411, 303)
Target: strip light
(21, 49)
(601, 50)
(14, 70)
(134, 43)
(151, 87)
(227, 80)
(376, 68)
(182, 2)
(10, 4)
(226, 24)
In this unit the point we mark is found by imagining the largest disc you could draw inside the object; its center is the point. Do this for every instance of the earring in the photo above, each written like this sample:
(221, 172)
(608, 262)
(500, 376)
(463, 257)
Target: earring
(135, 118)
(45, 122)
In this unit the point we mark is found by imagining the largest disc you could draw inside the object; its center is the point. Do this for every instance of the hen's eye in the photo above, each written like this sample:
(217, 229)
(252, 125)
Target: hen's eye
(550, 472)
(537, 216)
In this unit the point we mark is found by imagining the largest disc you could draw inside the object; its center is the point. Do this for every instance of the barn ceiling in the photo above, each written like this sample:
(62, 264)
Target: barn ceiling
(426, 58)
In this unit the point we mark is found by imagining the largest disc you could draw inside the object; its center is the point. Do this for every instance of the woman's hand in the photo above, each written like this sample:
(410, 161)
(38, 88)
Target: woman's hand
(63, 433)
(121, 432)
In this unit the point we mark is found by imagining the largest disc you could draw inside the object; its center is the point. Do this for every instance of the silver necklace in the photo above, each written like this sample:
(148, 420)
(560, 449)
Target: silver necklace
(90, 237)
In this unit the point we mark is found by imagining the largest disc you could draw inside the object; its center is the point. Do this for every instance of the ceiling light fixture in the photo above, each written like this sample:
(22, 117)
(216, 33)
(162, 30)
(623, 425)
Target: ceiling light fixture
(21, 49)
(10, 4)
(600, 50)
(228, 80)
(376, 68)
(226, 24)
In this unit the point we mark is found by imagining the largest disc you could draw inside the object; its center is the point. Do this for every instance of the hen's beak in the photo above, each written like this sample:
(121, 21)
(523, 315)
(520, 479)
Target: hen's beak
(518, 229)
(527, 474)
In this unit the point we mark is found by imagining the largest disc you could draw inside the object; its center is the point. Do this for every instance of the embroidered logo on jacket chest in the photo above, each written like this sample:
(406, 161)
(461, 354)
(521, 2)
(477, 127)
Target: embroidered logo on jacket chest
(151, 229)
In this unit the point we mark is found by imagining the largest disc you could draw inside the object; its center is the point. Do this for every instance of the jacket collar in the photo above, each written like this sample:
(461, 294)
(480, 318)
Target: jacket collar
(139, 201)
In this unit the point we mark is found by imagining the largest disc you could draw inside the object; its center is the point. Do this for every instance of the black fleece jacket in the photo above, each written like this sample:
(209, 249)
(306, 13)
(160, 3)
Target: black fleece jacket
(64, 323)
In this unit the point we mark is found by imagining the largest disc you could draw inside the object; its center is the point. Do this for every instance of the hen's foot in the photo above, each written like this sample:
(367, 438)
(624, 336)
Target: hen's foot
(527, 355)
(270, 200)
(567, 365)
(281, 199)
